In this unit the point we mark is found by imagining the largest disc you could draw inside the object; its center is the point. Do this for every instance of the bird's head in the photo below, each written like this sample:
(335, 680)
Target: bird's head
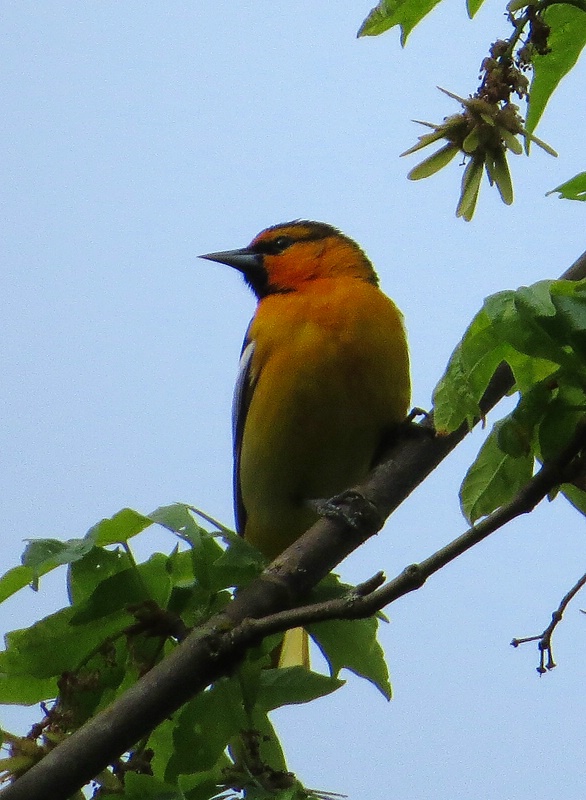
(282, 258)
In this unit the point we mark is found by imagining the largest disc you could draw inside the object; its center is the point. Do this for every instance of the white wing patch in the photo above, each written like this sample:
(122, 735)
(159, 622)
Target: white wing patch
(241, 391)
(242, 395)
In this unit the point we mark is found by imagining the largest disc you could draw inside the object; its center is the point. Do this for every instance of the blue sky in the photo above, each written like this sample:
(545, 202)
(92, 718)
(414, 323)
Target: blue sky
(138, 135)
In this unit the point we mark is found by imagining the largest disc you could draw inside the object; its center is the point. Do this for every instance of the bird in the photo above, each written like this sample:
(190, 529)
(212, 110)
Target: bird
(323, 384)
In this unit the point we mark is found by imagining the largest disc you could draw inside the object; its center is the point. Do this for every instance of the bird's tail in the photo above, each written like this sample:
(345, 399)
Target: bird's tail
(295, 649)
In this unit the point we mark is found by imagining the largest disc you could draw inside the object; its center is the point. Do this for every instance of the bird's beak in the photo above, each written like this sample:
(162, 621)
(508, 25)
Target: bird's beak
(242, 259)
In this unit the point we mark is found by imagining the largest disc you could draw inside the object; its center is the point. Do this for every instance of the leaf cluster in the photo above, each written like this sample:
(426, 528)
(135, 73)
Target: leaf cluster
(540, 332)
(125, 616)
(546, 41)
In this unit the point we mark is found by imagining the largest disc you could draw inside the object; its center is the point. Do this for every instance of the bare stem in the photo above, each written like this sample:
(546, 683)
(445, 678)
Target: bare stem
(543, 639)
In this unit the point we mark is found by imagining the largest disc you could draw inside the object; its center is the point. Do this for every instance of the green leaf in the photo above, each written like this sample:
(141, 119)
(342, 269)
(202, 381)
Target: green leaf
(493, 479)
(202, 785)
(471, 180)
(251, 668)
(180, 569)
(472, 6)
(511, 141)
(482, 350)
(576, 496)
(433, 163)
(111, 595)
(238, 564)
(119, 528)
(94, 684)
(471, 141)
(531, 138)
(86, 574)
(514, 439)
(14, 580)
(569, 299)
(566, 40)
(179, 519)
(154, 574)
(204, 728)
(32, 652)
(388, 13)
(453, 402)
(204, 555)
(539, 330)
(160, 741)
(472, 364)
(43, 555)
(516, 434)
(426, 139)
(143, 787)
(564, 413)
(556, 345)
(574, 189)
(148, 581)
(523, 320)
(25, 690)
(293, 685)
(352, 644)
(269, 746)
(529, 371)
(560, 419)
(498, 171)
(537, 298)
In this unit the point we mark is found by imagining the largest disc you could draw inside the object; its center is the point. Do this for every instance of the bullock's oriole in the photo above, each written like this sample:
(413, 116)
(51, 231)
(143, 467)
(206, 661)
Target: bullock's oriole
(323, 384)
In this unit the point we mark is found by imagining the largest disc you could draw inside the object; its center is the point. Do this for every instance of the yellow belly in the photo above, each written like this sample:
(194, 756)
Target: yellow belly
(332, 380)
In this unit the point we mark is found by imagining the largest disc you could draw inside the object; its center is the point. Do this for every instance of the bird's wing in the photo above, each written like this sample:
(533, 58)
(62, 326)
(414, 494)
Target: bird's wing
(242, 396)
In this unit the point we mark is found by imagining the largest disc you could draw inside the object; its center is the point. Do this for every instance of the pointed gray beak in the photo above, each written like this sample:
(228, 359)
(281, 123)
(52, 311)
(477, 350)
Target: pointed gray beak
(242, 259)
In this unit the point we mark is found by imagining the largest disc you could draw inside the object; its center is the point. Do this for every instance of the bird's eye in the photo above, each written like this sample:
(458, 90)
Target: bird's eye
(281, 243)
(273, 247)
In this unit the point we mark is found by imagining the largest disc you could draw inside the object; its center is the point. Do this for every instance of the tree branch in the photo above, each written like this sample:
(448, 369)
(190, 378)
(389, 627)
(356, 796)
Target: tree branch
(369, 597)
(211, 650)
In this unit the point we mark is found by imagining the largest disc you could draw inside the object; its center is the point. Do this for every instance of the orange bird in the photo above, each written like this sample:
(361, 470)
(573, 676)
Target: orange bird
(323, 384)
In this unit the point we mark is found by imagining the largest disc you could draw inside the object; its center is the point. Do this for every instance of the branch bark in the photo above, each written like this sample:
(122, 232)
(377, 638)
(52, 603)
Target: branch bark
(210, 651)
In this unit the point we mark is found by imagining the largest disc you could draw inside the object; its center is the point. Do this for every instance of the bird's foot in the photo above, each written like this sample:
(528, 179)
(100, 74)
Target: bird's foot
(413, 429)
(350, 507)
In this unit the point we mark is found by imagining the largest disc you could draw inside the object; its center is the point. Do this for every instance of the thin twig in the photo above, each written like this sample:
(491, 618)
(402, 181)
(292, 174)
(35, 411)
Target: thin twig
(544, 639)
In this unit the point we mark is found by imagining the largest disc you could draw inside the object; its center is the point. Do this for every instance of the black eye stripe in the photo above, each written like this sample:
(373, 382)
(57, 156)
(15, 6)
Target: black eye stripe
(274, 241)
(273, 247)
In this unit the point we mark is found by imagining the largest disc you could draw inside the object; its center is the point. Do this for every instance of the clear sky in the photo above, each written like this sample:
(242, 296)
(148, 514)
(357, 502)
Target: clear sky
(136, 136)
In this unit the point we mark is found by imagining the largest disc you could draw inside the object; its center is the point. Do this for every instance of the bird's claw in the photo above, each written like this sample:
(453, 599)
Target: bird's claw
(350, 507)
